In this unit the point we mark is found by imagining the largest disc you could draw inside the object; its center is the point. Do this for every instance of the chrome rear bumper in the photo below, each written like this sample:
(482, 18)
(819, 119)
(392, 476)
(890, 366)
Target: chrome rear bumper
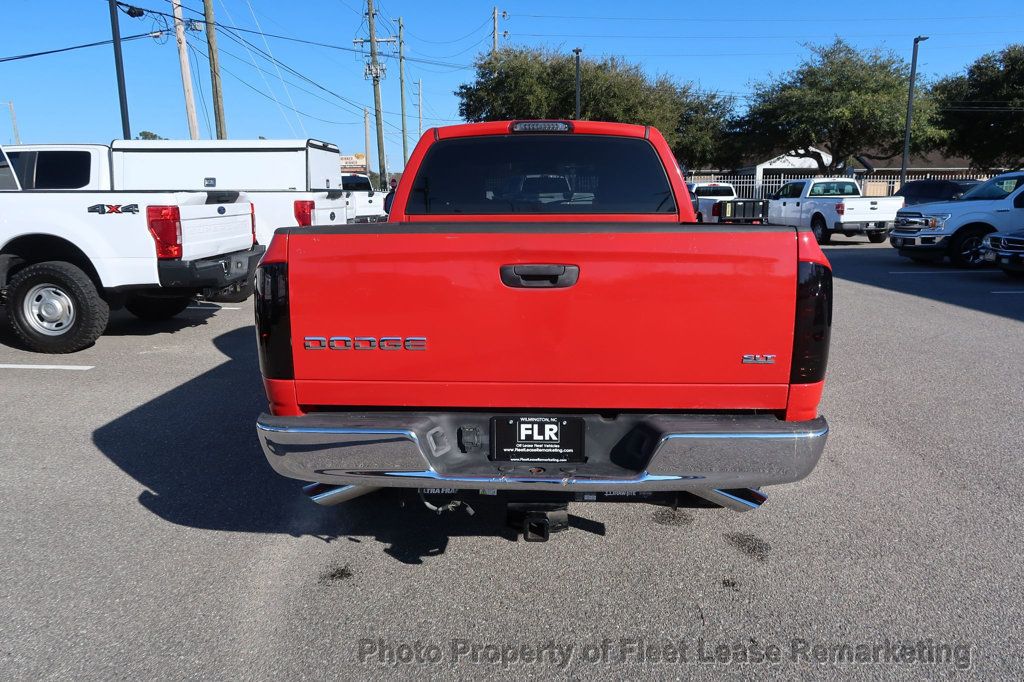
(631, 452)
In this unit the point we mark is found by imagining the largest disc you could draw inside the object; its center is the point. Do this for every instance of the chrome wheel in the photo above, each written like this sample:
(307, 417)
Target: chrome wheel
(48, 309)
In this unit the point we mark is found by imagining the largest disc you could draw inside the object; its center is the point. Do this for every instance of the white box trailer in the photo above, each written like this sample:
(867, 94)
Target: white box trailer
(290, 182)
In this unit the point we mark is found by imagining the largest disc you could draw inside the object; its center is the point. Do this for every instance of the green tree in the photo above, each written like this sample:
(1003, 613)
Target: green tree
(147, 135)
(841, 101)
(982, 110)
(530, 83)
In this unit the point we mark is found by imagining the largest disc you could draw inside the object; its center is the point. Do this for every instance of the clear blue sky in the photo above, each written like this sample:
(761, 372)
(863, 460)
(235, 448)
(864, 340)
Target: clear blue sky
(72, 97)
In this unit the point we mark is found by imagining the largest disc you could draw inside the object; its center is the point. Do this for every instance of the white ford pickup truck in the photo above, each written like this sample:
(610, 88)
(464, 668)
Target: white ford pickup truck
(72, 252)
(957, 229)
(833, 205)
(292, 183)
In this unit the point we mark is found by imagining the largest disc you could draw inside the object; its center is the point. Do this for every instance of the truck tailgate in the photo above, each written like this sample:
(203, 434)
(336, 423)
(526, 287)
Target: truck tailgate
(867, 209)
(659, 317)
(213, 229)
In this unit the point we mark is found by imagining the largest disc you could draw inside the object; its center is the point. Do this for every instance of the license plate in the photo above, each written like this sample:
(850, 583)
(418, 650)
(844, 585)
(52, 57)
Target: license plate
(537, 439)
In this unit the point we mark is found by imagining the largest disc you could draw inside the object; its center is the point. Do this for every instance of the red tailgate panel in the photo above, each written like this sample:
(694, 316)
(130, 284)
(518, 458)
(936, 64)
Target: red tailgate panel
(656, 319)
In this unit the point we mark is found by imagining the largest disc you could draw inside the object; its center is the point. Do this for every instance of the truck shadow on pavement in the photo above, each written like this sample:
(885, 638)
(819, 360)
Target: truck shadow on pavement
(123, 323)
(195, 451)
(967, 288)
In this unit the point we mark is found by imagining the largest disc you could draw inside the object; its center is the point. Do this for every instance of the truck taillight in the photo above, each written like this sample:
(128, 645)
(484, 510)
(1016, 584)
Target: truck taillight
(841, 208)
(252, 218)
(165, 225)
(304, 213)
(273, 321)
(813, 324)
(716, 208)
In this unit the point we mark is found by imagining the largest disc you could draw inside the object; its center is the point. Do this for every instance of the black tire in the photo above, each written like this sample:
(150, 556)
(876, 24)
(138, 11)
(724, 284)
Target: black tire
(156, 308)
(877, 237)
(965, 250)
(1014, 274)
(820, 230)
(55, 308)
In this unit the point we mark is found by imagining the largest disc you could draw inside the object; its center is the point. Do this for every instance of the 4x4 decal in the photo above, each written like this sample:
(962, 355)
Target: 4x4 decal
(103, 209)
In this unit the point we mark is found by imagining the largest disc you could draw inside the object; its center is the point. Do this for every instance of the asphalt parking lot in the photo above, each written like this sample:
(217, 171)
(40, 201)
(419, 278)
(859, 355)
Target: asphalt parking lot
(143, 535)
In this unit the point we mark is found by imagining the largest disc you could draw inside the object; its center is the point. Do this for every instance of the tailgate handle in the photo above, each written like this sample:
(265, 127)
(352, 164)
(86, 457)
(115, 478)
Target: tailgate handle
(539, 276)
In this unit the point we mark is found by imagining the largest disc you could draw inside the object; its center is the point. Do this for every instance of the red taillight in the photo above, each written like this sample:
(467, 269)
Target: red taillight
(716, 209)
(252, 216)
(165, 226)
(304, 213)
(840, 208)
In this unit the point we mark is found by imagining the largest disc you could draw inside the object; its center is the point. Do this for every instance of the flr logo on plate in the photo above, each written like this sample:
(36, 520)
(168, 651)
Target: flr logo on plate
(532, 432)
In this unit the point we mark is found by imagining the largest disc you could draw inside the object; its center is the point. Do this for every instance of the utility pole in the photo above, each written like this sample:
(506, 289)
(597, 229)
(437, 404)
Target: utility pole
(115, 29)
(577, 51)
(218, 95)
(366, 125)
(14, 122)
(419, 108)
(401, 86)
(186, 71)
(375, 71)
(494, 30)
(910, 112)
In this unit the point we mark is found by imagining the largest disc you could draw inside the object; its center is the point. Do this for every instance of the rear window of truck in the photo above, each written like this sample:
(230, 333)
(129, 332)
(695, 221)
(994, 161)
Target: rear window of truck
(356, 183)
(714, 191)
(52, 169)
(834, 189)
(541, 174)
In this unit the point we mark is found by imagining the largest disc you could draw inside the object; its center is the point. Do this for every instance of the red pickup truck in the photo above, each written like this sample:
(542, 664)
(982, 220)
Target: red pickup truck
(542, 318)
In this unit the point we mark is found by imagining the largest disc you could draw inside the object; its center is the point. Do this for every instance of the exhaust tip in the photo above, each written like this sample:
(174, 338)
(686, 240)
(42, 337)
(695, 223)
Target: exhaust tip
(737, 499)
(327, 495)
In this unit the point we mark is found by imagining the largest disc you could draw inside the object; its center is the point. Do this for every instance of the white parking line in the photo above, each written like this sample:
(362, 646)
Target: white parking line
(75, 368)
(940, 272)
(1007, 292)
(211, 307)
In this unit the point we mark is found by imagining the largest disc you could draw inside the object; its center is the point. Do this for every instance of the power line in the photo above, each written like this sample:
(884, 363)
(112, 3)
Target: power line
(313, 94)
(269, 97)
(279, 76)
(743, 37)
(303, 41)
(734, 20)
(353, 103)
(263, 77)
(125, 39)
(202, 97)
(476, 30)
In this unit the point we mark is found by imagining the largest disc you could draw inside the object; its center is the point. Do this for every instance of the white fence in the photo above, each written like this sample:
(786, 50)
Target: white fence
(873, 185)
